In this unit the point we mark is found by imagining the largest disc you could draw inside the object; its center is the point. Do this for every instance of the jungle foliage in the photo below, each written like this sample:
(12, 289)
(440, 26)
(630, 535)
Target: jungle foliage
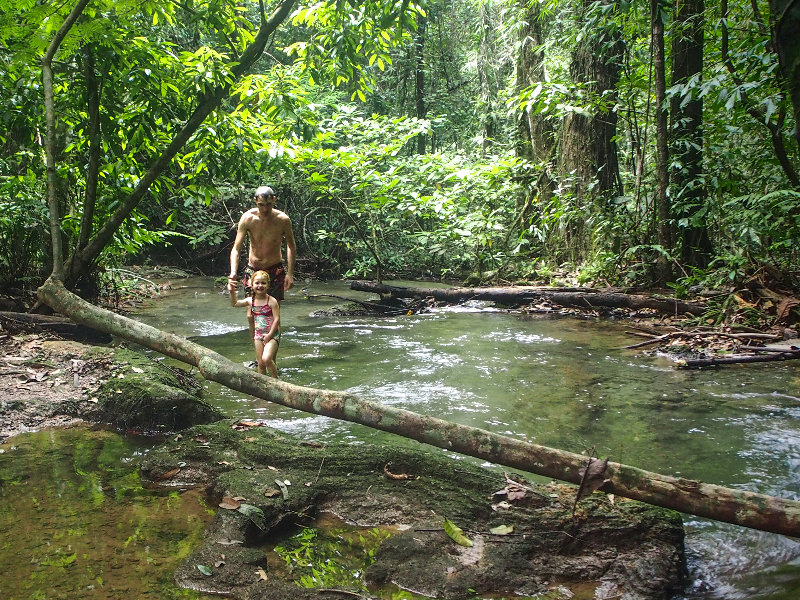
(495, 140)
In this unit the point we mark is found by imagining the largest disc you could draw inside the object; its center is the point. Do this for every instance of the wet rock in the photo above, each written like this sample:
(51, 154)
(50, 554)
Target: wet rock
(614, 548)
(139, 393)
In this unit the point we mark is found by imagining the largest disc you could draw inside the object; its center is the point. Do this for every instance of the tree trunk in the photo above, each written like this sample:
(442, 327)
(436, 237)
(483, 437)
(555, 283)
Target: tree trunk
(525, 295)
(733, 506)
(50, 142)
(689, 193)
(489, 74)
(535, 133)
(785, 21)
(588, 147)
(663, 208)
(419, 80)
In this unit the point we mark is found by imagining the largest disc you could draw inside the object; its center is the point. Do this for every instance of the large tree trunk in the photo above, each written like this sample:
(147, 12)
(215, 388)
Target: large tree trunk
(689, 193)
(693, 497)
(516, 296)
(588, 147)
(785, 21)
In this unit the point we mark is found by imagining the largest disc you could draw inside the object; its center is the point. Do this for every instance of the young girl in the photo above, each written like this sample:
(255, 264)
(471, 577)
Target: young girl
(267, 313)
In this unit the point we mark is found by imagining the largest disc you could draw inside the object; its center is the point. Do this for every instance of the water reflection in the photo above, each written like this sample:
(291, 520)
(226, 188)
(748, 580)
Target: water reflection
(75, 521)
(564, 383)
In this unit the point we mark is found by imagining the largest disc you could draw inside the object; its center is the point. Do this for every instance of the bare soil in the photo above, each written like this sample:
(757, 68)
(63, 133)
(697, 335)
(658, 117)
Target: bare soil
(40, 376)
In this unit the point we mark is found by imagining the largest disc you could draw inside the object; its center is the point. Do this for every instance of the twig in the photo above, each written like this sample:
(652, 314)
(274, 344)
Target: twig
(320, 469)
(334, 591)
(660, 338)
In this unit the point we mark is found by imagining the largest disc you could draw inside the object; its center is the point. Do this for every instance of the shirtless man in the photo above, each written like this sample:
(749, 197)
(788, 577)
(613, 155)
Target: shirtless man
(267, 228)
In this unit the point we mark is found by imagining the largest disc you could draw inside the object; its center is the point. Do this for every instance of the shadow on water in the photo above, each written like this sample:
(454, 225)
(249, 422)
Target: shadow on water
(564, 383)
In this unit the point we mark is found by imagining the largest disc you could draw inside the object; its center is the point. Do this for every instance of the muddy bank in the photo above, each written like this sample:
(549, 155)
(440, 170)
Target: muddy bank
(269, 483)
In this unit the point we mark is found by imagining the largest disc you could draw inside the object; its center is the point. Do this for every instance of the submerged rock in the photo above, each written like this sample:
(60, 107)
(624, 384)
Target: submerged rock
(273, 483)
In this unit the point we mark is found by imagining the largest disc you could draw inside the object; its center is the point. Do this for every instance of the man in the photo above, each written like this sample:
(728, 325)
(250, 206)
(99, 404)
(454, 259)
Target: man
(267, 228)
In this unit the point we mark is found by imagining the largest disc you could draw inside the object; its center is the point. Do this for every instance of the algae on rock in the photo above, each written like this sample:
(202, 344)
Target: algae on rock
(627, 547)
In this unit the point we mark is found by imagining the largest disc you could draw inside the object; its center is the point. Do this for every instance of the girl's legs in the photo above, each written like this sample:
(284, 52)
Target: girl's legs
(259, 344)
(268, 354)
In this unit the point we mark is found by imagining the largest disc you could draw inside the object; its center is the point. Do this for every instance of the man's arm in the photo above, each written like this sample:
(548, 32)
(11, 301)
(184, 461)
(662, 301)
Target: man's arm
(291, 255)
(234, 300)
(241, 233)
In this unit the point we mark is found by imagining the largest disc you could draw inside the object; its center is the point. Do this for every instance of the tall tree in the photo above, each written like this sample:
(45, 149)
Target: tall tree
(419, 79)
(535, 132)
(662, 204)
(686, 113)
(588, 147)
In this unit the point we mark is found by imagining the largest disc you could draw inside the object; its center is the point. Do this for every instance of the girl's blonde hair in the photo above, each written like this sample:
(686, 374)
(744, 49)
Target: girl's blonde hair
(261, 274)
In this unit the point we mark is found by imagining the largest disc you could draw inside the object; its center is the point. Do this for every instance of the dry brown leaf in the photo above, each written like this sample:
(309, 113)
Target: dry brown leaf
(397, 476)
(593, 475)
(168, 474)
(312, 444)
(262, 576)
(229, 503)
(785, 308)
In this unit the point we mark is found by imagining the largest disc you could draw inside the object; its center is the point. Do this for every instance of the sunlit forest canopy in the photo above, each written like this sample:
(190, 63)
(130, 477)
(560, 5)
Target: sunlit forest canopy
(606, 142)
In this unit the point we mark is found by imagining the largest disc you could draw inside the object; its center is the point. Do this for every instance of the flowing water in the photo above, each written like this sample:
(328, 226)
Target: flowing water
(558, 382)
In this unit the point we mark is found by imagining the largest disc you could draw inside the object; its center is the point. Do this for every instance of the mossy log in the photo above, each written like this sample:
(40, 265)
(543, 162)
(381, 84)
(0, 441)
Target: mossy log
(748, 509)
(517, 296)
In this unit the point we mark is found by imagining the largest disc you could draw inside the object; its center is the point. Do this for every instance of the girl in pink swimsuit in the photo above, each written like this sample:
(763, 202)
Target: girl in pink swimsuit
(267, 313)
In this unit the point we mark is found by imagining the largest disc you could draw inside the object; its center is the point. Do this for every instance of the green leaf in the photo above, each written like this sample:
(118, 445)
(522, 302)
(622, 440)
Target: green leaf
(456, 534)
(502, 530)
(204, 570)
(255, 514)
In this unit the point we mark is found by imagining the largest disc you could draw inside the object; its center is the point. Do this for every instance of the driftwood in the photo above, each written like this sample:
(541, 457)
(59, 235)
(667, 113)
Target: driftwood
(740, 507)
(774, 355)
(677, 334)
(517, 296)
(58, 325)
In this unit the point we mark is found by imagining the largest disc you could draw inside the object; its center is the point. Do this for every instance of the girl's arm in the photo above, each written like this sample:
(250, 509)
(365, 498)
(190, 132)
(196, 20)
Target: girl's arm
(276, 319)
(234, 302)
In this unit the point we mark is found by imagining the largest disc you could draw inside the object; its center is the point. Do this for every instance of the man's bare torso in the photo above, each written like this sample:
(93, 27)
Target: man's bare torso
(266, 234)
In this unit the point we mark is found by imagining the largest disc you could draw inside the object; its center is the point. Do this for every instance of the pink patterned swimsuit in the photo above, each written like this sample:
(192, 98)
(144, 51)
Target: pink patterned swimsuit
(263, 321)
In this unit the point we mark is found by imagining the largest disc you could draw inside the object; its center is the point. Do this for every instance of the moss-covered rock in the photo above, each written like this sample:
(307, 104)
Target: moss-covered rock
(624, 547)
(138, 392)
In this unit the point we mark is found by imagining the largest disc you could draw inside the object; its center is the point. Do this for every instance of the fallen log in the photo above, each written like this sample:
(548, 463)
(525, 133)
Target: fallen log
(748, 509)
(775, 355)
(517, 296)
(62, 327)
(375, 307)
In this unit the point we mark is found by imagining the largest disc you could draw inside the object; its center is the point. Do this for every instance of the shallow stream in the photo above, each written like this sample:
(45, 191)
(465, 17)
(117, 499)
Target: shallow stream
(559, 382)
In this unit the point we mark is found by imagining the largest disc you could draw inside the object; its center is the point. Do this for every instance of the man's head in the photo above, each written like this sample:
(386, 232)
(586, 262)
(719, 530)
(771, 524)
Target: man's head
(265, 197)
